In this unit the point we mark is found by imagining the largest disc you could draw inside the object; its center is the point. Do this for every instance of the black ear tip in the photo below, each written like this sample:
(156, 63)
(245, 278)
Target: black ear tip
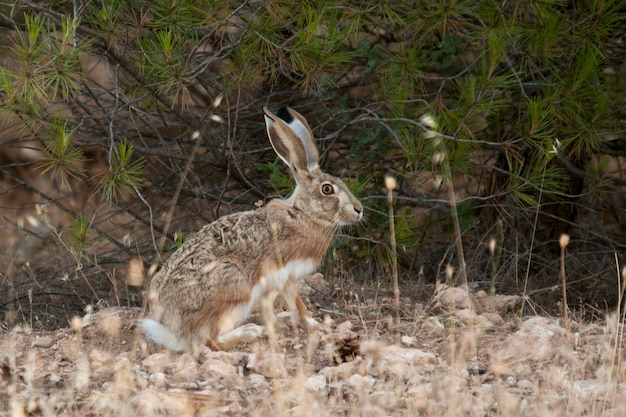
(283, 114)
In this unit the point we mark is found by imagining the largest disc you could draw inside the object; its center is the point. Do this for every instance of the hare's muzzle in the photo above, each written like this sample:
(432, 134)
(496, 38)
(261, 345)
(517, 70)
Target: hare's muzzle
(356, 210)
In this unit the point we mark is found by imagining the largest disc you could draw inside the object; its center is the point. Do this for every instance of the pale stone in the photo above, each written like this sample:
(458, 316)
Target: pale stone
(395, 360)
(359, 382)
(217, 367)
(316, 384)
(453, 298)
(537, 341)
(258, 383)
(232, 358)
(346, 325)
(220, 371)
(158, 379)
(185, 368)
(270, 365)
(43, 341)
(100, 358)
(433, 326)
(408, 340)
(343, 371)
(157, 362)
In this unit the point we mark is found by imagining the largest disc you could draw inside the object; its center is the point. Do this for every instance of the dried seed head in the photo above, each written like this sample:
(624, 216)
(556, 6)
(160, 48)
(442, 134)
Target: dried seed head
(216, 118)
(135, 275)
(153, 296)
(492, 246)
(438, 158)
(438, 182)
(449, 272)
(390, 183)
(41, 209)
(111, 326)
(152, 269)
(429, 121)
(76, 324)
(263, 283)
(17, 410)
(564, 240)
(218, 100)
(127, 240)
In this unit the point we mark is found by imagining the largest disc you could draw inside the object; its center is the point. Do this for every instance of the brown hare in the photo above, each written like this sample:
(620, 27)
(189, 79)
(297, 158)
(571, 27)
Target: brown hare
(209, 286)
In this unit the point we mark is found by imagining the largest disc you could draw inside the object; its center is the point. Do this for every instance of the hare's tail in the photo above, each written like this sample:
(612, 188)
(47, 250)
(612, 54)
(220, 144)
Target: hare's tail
(160, 334)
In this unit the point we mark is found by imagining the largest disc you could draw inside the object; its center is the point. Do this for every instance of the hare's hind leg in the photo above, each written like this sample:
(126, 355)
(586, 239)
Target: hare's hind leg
(230, 333)
(242, 334)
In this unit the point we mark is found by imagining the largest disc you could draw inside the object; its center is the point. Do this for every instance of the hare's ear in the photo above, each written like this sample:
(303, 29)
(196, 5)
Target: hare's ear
(292, 139)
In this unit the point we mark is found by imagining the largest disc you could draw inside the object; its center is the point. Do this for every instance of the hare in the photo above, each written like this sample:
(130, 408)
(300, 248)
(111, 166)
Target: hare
(210, 285)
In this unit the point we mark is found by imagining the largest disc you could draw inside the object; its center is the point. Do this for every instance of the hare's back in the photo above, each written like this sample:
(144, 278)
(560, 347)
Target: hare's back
(212, 284)
(237, 240)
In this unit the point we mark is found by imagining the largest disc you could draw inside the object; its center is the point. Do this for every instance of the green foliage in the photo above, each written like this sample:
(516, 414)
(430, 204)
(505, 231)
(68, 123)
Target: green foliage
(179, 239)
(64, 158)
(303, 42)
(81, 236)
(279, 177)
(48, 64)
(125, 174)
(446, 50)
(407, 235)
(108, 18)
(527, 97)
(358, 184)
(370, 54)
(182, 13)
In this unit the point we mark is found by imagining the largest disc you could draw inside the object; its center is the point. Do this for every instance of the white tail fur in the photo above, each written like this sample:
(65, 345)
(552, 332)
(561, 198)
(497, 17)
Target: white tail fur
(162, 335)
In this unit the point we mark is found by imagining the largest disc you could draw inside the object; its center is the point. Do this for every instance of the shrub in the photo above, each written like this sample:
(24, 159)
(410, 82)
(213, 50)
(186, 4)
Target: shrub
(99, 103)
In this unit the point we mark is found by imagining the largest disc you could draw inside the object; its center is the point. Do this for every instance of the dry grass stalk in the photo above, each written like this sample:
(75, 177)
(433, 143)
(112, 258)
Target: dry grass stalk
(440, 158)
(391, 184)
(563, 242)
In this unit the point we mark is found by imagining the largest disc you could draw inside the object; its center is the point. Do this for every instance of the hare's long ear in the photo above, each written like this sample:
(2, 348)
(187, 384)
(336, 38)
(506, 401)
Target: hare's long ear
(292, 139)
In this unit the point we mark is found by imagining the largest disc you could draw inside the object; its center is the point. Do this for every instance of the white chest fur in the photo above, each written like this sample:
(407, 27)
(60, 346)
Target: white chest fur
(274, 281)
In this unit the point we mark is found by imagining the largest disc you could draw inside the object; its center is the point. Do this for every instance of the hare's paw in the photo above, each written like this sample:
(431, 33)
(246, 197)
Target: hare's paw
(288, 317)
(243, 334)
(311, 323)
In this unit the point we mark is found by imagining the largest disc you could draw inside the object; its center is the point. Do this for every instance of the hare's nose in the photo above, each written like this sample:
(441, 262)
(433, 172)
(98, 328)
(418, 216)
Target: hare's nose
(358, 207)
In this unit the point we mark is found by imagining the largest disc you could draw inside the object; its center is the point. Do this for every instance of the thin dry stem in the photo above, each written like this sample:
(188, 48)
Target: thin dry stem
(458, 242)
(563, 242)
(168, 219)
(620, 316)
(390, 184)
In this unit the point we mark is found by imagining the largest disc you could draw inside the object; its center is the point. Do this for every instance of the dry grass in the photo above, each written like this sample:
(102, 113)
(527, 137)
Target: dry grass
(447, 361)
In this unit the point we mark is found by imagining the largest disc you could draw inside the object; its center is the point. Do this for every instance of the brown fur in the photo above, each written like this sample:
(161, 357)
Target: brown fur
(208, 283)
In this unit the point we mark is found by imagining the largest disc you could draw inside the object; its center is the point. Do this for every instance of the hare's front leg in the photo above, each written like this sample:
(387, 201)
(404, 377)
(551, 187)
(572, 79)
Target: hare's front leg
(296, 305)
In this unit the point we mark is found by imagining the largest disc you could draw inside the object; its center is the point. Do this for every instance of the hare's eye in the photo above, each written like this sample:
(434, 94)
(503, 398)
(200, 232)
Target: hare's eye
(327, 189)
